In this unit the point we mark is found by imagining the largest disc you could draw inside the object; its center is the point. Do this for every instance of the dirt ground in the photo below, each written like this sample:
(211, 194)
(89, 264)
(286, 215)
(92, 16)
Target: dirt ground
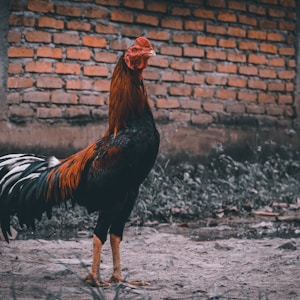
(179, 262)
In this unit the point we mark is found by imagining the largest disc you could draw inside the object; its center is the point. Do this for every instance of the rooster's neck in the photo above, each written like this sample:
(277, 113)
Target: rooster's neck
(128, 97)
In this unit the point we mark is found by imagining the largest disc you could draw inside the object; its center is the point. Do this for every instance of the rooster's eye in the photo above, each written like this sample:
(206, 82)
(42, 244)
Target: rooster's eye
(134, 50)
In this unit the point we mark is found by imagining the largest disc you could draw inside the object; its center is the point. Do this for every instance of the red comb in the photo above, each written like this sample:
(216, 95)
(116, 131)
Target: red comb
(143, 42)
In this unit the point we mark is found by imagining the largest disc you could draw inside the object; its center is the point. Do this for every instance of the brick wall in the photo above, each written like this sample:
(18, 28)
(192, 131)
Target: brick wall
(220, 64)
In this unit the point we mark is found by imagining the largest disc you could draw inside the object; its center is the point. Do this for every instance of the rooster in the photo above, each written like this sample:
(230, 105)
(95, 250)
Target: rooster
(103, 177)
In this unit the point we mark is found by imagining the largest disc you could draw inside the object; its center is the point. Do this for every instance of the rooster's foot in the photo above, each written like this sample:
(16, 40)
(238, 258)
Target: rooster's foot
(94, 281)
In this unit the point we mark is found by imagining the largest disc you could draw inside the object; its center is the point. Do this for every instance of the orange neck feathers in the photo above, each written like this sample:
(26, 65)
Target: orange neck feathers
(128, 97)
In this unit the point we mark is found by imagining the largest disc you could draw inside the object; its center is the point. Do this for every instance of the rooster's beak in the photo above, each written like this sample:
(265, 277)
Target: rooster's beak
(150, 53)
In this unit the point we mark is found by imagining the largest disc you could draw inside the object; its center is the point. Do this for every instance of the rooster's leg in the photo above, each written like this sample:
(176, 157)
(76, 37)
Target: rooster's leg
(93, 277)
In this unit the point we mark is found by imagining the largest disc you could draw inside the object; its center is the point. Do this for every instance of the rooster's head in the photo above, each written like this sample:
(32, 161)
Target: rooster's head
(136, 57)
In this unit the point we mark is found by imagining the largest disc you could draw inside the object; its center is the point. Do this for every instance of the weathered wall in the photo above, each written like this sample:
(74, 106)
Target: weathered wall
(225, 71)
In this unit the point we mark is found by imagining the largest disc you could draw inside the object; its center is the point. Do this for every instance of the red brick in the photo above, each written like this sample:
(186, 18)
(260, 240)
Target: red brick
(172, 23)
(286, 74)
(267, 73)
(190, 104)
(257, 84)
(147, 19)
(202, 119)
(157, 89)
(216, 3)
(260, 10)
(13, 98)
(181, 11)
(38, 36)
(204, 13)
(247, 96)
(136, 4)
(108, 2)
(91, 100)
(213, 106)
(78, 54)
(216, 80)
(266, 98)
(276, 86)
(248, 70)
(237, 5)
(158, 35)
(50, 22)
(49, 52)
(132, 31)
(72, 11)
(236, 57)
(287, 26)
(158, 61)
(105, 57)
(79, 84)
(157, 6)
(215, 54)
(274, 110)
(244, 19)
(167, 103)
(236, 31)
(226, 94)
(237, 82)
(15, 68)
(227, 17)
(216, 29)
(77, 112)
(67, 68)
(194, 25)
(288, 3)
(36, 96)
(291, 63)
(151, 74)
(16, 20)
(119, 44)
(204, 66)
(79, 26)
(95, 71)
(107, 29)
(227, 43)
(179, 116)
(257, 59)
(227, 68)
(19, 82)
(289, 86)
(48, 112)
(66, 38)
(64, 98)
(278, 13)
(171, 50)
(180, 90)
(121, 16)
(102, 85)
(38, 67)
(267, 24)
(171, 76)
(194, 78)
(50, 82)
(20, 112)
(257, 34)
(40, 6)
(93, 41)
(17, 5)
(255, 109)
(20, 52)
(268, 48)
(14, 37)
(206, 40)
(193, 52)
(181, 65)
(276, 62)
(237, 108)
(287, 51)
(275, 37)
(182, 38)
(95, 13)
(285, 99)
(246, 45)
(204, 92)
(270, 1)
